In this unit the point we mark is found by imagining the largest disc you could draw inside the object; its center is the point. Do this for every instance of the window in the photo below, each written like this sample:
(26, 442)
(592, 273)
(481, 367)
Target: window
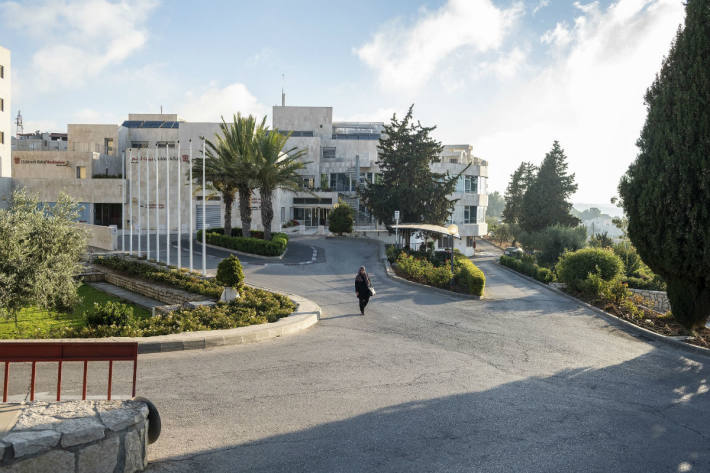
(328, 153)
(2, 137)
(469, 214)
(2, 71)
(444, 242)
(323, 181)
(308, 182)
(108, 146)
(469, 242)
(2, 104)
(341, 182)
(283, 215)
(139, 144)
(81, 172)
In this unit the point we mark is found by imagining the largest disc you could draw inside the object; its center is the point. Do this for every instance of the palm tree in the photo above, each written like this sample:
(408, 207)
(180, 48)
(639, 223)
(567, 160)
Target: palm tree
(231, 167)
(276, 168)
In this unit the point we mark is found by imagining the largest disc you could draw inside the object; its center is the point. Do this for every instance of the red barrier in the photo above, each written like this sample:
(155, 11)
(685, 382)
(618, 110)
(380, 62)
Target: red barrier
(40, 352)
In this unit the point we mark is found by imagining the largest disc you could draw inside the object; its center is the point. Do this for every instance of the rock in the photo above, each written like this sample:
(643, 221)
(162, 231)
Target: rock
(129, 414)
(134, 453)
(99, 458)
(3, 448)
(56, 461)
(70, 409)
(31, 441)
(33, 420)
(78, 431)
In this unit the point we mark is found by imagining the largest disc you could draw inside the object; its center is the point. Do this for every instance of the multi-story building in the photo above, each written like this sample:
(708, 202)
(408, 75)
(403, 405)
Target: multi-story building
(5, 118)
(39, 141)
(339, 157)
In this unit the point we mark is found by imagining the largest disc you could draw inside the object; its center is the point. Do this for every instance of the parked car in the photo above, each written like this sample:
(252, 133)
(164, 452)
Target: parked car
(513, 251)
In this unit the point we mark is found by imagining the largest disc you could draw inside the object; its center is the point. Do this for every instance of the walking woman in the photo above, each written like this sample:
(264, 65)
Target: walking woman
(363, 288)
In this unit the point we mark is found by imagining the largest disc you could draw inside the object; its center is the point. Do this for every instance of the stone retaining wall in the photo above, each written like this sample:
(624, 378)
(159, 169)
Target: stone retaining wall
(149, 289)
(77, 437)
(657, 300)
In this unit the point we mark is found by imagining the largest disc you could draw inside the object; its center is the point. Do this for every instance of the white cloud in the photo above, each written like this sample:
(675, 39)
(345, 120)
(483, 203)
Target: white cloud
(590, 98)
(215, 102)
(540, 5)
(78, 39)
(559, 37)
(405, 58)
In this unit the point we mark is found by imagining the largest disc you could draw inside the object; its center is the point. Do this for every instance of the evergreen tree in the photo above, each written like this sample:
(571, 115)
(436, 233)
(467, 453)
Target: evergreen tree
(341, 219)
(514, 193)
(545, 201)
(496, 204)
(666, 190)
(408, 183)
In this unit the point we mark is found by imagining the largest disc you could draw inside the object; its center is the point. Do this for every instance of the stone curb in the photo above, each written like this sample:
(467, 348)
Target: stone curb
(243, 253)
(632, 329)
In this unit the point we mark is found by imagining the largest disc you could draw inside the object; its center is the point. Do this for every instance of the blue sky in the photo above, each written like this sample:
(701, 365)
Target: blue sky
(508, 77)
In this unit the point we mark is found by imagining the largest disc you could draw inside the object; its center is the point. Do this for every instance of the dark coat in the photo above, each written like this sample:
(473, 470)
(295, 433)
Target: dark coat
(362, 287)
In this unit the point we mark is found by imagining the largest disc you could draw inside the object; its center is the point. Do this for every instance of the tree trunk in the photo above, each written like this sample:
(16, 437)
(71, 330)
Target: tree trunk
(267, 212)
(245, 210)
(228, 202)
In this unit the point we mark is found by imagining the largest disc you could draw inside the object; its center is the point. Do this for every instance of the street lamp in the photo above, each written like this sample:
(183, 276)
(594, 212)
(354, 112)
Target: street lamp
(453, 230)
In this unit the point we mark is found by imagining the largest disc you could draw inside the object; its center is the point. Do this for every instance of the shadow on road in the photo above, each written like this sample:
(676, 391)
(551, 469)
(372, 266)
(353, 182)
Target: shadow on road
(607, 419)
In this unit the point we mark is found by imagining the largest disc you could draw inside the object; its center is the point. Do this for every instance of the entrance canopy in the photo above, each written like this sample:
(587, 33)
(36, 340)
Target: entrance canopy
(424, 227)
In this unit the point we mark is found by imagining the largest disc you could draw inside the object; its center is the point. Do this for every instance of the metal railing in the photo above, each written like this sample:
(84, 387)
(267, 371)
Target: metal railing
(59, 352)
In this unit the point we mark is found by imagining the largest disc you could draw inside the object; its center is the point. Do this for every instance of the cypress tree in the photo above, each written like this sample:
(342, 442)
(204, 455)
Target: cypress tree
(666, 190)
(514, 193)
(546, 199)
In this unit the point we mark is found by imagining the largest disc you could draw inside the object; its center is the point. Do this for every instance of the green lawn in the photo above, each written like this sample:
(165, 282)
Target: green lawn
(32, 319)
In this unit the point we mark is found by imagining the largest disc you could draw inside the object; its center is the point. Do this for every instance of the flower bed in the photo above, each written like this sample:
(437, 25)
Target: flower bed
(258, 246)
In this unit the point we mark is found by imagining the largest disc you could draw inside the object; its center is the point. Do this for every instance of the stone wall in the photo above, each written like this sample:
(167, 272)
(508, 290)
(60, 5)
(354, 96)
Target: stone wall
(149, 289)
(99, 236)
(77, 437)
(657, 300)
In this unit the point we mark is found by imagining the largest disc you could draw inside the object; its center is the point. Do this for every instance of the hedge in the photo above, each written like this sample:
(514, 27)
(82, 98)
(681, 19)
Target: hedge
(574, 268)
(257, 246)
(236, 232)
(468, 277)
(528, 268)
(173, 277)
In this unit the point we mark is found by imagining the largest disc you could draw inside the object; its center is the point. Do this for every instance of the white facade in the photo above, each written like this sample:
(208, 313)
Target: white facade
(5, 113)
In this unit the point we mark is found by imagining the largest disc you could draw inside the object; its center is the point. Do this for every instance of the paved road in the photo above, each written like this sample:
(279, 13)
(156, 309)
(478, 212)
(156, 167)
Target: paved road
(524, 381)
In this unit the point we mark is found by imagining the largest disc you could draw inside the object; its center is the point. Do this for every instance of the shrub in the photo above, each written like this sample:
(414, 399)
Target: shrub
(109, 313)
(236, 232)
(630, 257)
(601, 240)
(275, 247)
(341, 219)
(648, 284)
(173, 277)
(526, 266)
(553, 241)
(468, 277)
(391, 251)
(574, 268)
(255, 306)
(423, 271)
(229, 272)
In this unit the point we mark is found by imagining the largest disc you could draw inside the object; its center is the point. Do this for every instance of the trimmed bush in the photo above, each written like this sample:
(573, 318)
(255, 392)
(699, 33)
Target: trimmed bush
(422, 271)
(275, 247)
(574, 268)
(633, 266)
(468, 277)
(109, 313)
(236, 232)
(173, 277)
(553, 241)
(526, 266)
(229, 272)
(654, 284)
(341, 219)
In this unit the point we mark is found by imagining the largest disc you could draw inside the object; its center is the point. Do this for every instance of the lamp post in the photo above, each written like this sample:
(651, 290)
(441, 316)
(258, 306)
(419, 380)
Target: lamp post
(453, 230)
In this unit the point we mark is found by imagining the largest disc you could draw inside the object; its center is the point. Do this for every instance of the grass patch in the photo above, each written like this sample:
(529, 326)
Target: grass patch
(36, 323)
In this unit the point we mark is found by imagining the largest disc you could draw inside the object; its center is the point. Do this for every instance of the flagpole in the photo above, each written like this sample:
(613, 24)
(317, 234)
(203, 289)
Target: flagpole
(140, 198)
(130, 204)
(179, 209)
(157, 207)
(192, 227)
(147, 204)
(167, 203)
(123, 206)
(204, 214)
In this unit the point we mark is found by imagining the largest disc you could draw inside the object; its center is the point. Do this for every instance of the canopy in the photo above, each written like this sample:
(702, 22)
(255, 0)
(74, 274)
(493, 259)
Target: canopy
(424, 227)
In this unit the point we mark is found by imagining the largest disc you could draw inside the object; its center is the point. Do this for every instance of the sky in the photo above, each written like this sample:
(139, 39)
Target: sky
(508, 77)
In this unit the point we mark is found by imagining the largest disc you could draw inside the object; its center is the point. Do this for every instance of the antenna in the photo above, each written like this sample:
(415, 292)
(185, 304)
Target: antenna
(283, 94)
(18, 122)
(161, 109)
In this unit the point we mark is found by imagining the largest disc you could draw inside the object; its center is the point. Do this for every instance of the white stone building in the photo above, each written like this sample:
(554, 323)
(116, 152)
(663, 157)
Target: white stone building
(5, 111)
